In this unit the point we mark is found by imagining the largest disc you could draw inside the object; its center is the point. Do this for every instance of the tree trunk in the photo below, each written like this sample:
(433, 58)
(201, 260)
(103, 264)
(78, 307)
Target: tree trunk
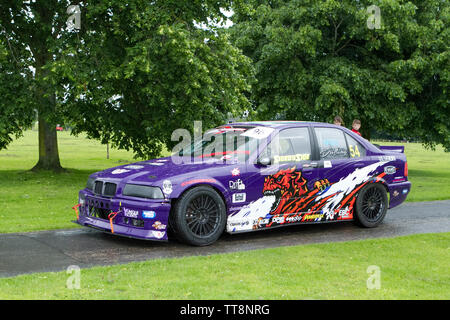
(48, 140)
(48, 147)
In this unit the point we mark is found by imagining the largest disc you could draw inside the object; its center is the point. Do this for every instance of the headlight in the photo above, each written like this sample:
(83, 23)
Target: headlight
(90, 184)
(134, 190)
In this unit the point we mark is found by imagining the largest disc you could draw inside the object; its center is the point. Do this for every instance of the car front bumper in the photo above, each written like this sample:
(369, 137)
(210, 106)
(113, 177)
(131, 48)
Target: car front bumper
(141, 219)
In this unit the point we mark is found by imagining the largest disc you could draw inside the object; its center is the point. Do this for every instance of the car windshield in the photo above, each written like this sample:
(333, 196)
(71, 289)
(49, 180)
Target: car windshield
(227, 143)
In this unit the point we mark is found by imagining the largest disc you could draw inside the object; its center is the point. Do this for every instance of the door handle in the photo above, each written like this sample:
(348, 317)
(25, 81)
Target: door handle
(308, 168)
(311, 165)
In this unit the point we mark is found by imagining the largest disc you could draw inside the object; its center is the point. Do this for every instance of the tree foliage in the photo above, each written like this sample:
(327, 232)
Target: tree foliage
(15, 113)
(315, 59)
(137, 71)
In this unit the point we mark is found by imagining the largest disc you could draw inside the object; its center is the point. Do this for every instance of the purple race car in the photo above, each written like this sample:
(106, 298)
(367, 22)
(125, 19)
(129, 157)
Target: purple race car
(248, 176)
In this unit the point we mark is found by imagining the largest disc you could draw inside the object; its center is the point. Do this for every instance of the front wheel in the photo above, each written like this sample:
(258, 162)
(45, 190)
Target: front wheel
(371, 205)
(199, 216)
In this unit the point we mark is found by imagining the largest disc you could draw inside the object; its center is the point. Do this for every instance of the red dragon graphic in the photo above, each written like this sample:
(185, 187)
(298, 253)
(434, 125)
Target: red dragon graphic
(290, 190)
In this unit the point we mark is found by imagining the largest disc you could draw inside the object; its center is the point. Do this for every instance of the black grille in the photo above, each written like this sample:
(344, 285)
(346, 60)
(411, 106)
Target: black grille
(98, 188)
(109, 189)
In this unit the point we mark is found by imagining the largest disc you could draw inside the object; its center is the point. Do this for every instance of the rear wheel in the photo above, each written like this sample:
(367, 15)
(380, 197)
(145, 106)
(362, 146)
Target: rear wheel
(199, 216)
(371, 205)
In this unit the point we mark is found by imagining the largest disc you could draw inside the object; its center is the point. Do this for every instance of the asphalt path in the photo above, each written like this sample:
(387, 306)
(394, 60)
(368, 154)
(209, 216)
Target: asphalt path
(45, 251)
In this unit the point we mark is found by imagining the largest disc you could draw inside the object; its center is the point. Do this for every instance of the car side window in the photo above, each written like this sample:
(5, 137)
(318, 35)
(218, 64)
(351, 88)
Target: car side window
(332, 143)
(355, 148)
(290, 145)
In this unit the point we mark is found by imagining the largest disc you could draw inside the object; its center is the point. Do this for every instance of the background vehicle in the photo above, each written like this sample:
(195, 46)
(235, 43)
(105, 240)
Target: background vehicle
(249, 176)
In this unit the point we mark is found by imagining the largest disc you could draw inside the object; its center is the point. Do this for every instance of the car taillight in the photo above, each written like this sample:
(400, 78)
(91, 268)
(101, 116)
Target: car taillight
(406, 169)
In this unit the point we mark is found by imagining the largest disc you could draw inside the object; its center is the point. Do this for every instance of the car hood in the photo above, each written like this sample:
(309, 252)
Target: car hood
(154, 172)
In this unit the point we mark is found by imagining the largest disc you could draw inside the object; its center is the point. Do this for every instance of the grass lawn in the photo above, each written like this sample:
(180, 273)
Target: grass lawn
(42, 201)
(411, 267)
(429, 172)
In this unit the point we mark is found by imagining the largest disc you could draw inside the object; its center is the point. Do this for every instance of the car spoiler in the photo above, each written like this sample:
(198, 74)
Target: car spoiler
(399, 149)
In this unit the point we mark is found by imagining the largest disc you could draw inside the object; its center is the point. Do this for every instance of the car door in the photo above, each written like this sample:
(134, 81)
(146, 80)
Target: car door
(338, 177)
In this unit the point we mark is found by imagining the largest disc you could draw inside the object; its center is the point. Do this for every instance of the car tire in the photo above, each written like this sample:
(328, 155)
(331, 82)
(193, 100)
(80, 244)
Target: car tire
(371, 205)
(199, 216)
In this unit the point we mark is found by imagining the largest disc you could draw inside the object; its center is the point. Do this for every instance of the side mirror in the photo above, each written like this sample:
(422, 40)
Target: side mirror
(264, 161)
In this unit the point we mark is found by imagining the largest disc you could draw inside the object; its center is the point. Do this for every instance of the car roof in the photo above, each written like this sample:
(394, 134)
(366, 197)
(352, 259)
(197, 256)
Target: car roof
(278, 124)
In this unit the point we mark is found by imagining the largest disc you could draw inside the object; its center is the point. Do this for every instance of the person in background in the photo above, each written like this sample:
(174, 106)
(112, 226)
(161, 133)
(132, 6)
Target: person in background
(356, 125)
(338, 121)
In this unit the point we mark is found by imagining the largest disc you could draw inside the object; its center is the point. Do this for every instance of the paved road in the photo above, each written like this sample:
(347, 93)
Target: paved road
(56, 250)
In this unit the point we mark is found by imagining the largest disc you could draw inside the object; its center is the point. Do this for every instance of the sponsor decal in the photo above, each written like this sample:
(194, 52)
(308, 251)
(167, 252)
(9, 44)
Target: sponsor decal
(239, 223)
(292, 158)
(185, 183)
(390, 170)
(158, 234)
(235, 172)
(134, 167)
(343, 213)
(239, 197)
(293, 219)
(155, 163)
(167, 187)
(395, 193)
(260, 222)
(130, 213)
(405, 191)
(148, 214)
(158, 225)
(386, 158)
(327, 164)
(120, 171)
(278, 219)
(313, 217)
(258, 132)
(236, 185)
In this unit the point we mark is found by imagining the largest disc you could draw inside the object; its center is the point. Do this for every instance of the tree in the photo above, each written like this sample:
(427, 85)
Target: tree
(131, 74)
(315, 59)
(28, 31)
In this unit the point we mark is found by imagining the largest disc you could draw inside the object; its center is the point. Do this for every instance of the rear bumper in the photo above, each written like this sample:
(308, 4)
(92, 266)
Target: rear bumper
(398, 193)
(140, 219)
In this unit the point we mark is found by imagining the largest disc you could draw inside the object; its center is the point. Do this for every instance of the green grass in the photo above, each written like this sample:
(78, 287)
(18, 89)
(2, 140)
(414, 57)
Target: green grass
(42, 201)
(411, 267)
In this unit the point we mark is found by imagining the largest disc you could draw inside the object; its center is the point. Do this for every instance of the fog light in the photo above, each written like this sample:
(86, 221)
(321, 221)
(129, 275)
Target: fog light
(137, 223)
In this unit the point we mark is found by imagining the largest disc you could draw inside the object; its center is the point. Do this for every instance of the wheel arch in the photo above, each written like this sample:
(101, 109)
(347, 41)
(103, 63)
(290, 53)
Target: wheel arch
(382, 182)
(214, 187)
